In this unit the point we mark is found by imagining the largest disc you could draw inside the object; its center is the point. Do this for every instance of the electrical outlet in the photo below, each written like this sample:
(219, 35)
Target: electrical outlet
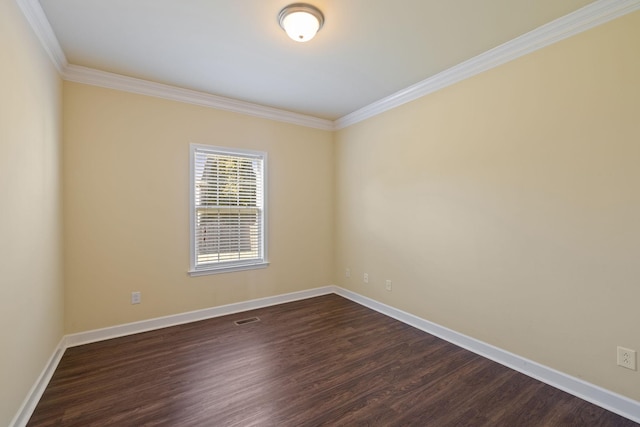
(627, 358)
(136, 298)
(387, 285)
(366, 278)
(347, 272)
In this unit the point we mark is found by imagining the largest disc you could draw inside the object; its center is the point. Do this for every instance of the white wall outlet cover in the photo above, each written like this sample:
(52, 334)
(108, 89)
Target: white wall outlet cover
(627, 358)
(136, 297)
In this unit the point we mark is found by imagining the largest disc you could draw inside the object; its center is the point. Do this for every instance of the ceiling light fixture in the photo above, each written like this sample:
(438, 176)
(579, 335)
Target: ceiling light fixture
(301, 21)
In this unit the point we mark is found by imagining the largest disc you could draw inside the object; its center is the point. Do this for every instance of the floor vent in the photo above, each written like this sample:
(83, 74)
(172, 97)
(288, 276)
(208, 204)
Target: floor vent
(245, 321)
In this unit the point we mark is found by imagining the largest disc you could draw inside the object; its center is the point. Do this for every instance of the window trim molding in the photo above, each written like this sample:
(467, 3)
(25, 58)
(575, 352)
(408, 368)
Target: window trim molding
(227, 267)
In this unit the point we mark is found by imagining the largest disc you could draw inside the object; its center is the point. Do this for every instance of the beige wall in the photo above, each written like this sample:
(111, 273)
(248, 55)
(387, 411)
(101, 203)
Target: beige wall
(507, 207)
(126, 201)
(31, 293)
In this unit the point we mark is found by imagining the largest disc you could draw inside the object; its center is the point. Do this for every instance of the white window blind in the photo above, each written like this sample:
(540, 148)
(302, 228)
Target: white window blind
(228, 217)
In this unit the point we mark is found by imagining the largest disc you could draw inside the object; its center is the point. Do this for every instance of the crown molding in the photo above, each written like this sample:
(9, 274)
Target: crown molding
(588, 17)
(105, 79)
(583, 19)
(38, 21)
(32, 10)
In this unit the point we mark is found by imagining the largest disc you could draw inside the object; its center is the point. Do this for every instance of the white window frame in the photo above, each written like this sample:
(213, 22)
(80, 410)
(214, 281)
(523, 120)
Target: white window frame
(226, 266)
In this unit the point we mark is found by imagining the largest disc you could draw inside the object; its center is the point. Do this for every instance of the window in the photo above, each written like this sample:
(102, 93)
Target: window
(227, 209)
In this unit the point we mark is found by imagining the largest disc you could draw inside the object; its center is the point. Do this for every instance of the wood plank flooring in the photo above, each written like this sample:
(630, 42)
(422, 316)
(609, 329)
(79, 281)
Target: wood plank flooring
(323, 361)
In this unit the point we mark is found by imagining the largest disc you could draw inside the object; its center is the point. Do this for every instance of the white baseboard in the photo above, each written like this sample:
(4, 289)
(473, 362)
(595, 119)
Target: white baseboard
(33, 397)
(606, 399)
(191, 316)
(29, 405)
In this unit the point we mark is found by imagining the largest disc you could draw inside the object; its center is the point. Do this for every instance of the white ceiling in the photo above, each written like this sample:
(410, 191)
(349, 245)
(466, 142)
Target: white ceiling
(367, 50)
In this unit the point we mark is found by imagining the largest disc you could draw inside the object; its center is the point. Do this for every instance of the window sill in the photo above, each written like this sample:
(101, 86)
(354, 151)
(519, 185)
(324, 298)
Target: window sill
(227, 269)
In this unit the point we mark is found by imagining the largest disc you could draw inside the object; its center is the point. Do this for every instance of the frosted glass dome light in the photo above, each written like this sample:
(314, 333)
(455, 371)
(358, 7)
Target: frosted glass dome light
(301, 21)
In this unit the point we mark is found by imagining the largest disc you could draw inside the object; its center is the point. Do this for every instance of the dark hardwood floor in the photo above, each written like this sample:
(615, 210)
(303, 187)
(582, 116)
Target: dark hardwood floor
(324, 361)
